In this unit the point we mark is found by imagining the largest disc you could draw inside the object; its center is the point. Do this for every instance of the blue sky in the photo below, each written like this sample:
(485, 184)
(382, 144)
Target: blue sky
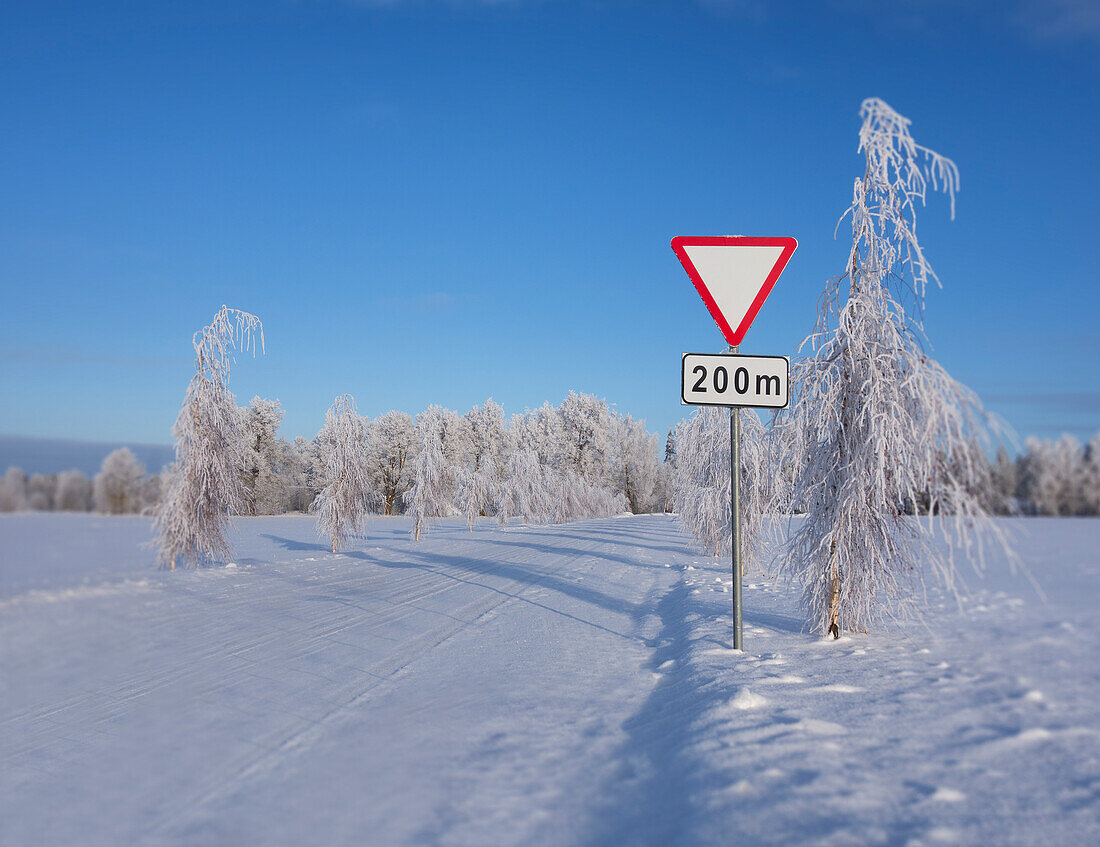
(438, 202)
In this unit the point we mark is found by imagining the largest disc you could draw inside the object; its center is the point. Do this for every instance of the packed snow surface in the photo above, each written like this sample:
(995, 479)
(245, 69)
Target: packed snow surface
(561, 685)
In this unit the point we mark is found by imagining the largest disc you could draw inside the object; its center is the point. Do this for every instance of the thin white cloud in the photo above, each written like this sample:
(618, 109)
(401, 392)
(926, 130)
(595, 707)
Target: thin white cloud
(434, 301)
(1060, 19)
(1040, 20)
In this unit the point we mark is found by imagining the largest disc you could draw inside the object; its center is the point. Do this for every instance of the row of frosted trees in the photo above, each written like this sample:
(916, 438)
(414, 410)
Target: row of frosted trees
(122, 487)
(1049, 478)
(1053, 478)
(1058, 477)
(583, 438)
(579, 459)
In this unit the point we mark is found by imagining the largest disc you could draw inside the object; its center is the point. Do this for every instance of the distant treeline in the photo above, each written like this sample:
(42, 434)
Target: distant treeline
(583, 440)
(1048, 478)
(1058, 478)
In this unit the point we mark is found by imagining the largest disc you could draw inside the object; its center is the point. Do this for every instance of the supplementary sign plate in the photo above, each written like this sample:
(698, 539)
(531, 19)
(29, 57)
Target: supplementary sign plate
(727, 379)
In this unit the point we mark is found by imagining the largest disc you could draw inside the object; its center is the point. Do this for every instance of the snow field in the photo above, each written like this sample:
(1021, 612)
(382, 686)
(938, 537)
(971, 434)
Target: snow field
(977, 729)
(561, 685)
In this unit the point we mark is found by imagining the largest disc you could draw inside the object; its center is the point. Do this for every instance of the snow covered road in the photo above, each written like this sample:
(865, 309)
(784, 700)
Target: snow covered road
(564, 685)
(467, 689)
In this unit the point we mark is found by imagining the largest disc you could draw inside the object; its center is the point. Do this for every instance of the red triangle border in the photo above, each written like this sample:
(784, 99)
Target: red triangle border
(733, 337)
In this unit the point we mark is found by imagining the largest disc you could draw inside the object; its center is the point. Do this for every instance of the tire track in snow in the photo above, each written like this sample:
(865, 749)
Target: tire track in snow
(143, 683)
(297, 740)
(63, 727)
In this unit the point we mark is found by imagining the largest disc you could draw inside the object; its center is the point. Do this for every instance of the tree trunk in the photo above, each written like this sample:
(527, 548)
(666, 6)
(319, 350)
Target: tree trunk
(339, 482)
(834, 601)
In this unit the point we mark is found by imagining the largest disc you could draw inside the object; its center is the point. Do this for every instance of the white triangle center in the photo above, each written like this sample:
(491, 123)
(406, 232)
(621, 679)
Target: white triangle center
(734, 275)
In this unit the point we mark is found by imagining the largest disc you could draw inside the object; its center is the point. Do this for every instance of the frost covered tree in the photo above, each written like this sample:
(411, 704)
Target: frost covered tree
(483, 446)
(13, 490)
(203, 485)
(1003, 483)
(579, 460)
(346, 498)
(668, 468)
(486, 440)
(312, 455)
(873, 416)
(393, 446)
(539, 430)
(1090, 477)
(1051, 475)
(572, 498)
(433, 488)
(74, 492)
(566, 497)
(267, 488)
(299, 476)
(150, 494)
(1067, 459)
(701, 487)
(446, 425)
(42, 492)
(969, 467)
(117, 486)
(701, 481)
(633, 465)
(475, 493)
(524, 492)
(585, 437)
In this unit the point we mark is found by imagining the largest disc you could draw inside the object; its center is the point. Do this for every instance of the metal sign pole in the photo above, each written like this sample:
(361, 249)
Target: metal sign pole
(735, 518)
(729, 272)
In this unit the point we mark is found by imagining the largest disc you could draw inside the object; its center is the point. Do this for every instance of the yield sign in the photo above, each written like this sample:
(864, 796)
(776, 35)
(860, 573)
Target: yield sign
(734, 274)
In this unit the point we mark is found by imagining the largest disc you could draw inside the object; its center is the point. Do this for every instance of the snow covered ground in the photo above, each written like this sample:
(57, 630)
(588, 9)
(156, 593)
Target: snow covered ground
(564, 685)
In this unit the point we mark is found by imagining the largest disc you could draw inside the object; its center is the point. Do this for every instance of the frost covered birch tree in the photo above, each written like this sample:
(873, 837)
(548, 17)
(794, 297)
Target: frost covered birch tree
(1090, 477)
(265, 473)
(483, 443)
(874, 418)
(13, 491)
(474, 494)
(635, 470)
(585, 429)
(42, 491)
(74, 492)
(524, 492)
(432, 491)
(116, 489)
(204, 483)
(392, 441)
(346, 496)
(1051, 474)
(701, 481)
